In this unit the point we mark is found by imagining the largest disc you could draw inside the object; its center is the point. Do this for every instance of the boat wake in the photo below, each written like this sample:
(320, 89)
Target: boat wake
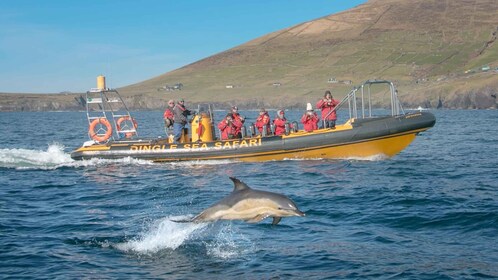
(53, 158)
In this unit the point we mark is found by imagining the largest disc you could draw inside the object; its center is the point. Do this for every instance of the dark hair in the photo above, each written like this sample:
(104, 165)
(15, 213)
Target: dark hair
(327, 92)
(228, 115)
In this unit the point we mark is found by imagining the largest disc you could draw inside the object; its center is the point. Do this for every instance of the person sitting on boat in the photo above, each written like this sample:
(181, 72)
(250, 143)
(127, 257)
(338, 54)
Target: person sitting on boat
(228, 127)
(169, 114)
(240, 120)
(280, 123)
(310, 119)
(179, 119)
(262, 120)
(328, 106)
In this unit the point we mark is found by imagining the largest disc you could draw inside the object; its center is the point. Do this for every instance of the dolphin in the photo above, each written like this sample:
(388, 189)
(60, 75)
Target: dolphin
(249, 205)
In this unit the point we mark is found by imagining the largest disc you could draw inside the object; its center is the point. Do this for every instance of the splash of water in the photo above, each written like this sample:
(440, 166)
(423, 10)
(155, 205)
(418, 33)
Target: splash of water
(54, 157)
(229, 243)
(164, 234)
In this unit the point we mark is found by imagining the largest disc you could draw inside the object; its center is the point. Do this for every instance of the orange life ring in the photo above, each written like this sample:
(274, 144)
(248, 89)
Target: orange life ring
(126, 118)
(93, 134)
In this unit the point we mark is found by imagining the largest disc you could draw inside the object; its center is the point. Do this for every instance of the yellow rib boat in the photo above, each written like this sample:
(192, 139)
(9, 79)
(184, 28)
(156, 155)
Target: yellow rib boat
(113, 134)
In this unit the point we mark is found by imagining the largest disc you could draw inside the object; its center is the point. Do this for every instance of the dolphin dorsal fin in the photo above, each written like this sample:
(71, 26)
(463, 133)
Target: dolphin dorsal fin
(238, 185)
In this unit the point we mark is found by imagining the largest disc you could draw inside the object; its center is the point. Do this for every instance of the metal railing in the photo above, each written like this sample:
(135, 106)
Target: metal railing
(110, 105)
(360, 98)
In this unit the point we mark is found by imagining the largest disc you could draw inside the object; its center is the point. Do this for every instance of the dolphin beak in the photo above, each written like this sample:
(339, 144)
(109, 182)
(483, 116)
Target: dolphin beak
(299, 213)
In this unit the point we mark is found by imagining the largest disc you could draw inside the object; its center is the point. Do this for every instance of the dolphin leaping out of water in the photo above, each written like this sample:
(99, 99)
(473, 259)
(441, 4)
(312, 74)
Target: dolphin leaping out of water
(249, 205)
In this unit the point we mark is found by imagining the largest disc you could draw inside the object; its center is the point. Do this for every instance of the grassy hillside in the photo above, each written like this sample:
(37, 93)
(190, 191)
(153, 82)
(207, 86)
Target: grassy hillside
(434, 50)
(425, 46)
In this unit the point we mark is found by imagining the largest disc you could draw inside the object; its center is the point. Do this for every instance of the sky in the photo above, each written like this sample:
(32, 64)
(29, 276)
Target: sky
(51, 46)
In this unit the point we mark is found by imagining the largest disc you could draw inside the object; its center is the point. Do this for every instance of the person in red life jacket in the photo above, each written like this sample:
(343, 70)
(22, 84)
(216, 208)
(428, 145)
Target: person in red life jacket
(169, 114)
(328, 106)
(228, 127)
(240, 120)
(310, 119)
(280, 122)
(262, 120)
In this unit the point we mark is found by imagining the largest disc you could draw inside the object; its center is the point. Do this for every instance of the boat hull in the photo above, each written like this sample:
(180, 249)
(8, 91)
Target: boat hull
(361, 138)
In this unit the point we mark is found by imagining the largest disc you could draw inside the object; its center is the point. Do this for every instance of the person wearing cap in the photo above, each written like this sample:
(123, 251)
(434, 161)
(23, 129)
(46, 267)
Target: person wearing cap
(310, 119)
(228, 127)
(240, 120)
(328, 106)
(169, 114)
(179, 119)
(280, 122)
(262, 120)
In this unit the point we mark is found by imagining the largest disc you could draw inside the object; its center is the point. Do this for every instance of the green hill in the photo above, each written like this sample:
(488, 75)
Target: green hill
(432, 49)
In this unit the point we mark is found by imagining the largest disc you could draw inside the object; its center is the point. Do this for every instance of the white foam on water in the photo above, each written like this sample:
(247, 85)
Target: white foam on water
(378, 157)
(200, 163)
(52, 158)
(163, 234)
(229, 243)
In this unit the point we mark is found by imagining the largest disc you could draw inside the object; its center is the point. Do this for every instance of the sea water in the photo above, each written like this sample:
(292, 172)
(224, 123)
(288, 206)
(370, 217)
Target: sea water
(430, 212)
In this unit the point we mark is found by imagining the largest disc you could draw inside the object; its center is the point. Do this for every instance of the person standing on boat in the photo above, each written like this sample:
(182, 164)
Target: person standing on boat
(239, 120)
(328, 106)
(179, 119)
(262, 120)
(310, 119)
(169, 114)
(280, 123)
(228, 127)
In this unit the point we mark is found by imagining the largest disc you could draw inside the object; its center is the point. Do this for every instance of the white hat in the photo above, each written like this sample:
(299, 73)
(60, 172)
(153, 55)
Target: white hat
(309, 107)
